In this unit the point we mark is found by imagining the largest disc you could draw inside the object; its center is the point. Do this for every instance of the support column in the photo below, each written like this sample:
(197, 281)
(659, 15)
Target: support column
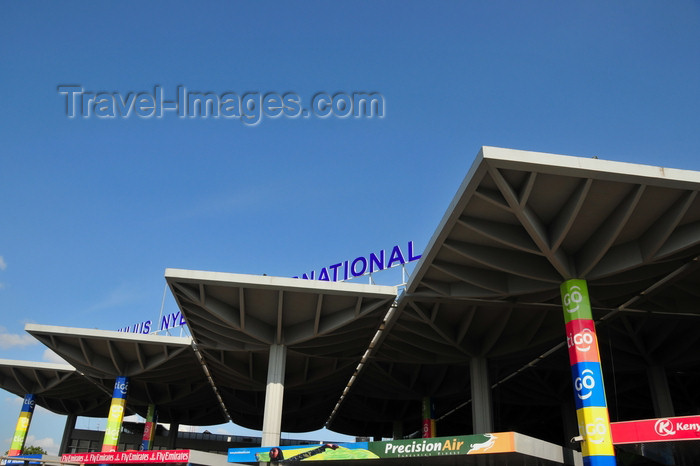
(428, 418)
(25, 418)
(397, 430)
(116, 414)
(589, 391)
(660, 392)
(172, 435)
(569, 423)
(67, 434)
(274, 396)
(149, 428)
(482, 409)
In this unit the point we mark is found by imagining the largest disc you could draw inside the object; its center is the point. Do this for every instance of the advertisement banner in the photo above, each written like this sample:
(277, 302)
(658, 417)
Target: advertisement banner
(291, 453)
(442, 446)
(582, 341)
(575, 301)
(411, 448)
(656, 430)
(594, 425)
(588, 389)
(129, 457)
(23, 460)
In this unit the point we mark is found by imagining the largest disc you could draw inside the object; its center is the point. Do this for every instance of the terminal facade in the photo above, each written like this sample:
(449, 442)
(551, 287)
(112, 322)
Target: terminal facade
(556, 302)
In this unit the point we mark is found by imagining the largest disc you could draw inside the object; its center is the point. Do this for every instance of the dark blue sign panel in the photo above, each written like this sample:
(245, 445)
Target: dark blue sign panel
(362, 265)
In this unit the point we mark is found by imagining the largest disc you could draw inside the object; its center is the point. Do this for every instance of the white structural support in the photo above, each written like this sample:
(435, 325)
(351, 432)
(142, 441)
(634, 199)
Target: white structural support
(274, 395)
(482, 412)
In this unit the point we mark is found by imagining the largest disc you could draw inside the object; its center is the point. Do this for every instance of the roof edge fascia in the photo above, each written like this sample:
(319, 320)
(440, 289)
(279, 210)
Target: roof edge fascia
(106, 334)
(599, 169)
(284, 283)
(37, 365)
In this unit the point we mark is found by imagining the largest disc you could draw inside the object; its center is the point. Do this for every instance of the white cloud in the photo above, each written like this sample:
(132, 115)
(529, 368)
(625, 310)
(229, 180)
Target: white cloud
(14, 400)
(13, 340)
(3, 266)
(181, 427)
(47, 443)
(50, 356)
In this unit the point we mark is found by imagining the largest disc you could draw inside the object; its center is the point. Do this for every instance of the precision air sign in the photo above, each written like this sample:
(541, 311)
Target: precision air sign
(586, 373)
(502, 442)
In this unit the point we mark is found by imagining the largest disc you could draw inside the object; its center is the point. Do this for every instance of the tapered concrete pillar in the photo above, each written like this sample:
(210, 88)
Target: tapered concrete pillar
(428, 418)
(25, 418)
(149, 428)
(587, 374)
(569, 423)
(116, 415)
(660, 392)
(67, 434)
(397, 430)
(482, 408)
(274, 396)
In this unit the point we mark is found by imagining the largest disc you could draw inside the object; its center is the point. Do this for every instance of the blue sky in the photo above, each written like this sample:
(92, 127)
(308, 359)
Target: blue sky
(95, 209)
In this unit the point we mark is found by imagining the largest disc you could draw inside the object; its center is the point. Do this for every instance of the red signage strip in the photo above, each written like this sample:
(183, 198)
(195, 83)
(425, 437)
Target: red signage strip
(656, 430)
(129, 457)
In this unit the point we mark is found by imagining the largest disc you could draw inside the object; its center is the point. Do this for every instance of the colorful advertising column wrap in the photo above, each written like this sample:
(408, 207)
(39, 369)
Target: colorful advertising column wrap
(587, 375)
(25, 418)
(428, 418)
(149, 429)
(116, 414)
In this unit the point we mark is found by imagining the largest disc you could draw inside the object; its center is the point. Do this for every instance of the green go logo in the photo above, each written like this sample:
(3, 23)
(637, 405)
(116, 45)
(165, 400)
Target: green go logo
(573, 299)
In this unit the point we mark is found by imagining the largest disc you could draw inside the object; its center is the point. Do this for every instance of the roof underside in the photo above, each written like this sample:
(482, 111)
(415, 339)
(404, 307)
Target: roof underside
(57, 387)
(161, 370)
(326, 328)
(487, 285)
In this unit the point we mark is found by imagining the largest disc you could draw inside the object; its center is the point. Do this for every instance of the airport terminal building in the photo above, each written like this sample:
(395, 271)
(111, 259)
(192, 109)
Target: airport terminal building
(552, 319)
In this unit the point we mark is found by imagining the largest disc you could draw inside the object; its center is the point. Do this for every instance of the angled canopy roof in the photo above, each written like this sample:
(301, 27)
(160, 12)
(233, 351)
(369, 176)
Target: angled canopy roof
(522, 222)
(487, 286)
(57, 387)
(326, 327)
(162, 370)
(488, 283)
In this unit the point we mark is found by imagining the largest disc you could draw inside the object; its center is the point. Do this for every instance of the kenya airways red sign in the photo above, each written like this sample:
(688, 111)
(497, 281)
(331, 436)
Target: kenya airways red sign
(656, 430)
